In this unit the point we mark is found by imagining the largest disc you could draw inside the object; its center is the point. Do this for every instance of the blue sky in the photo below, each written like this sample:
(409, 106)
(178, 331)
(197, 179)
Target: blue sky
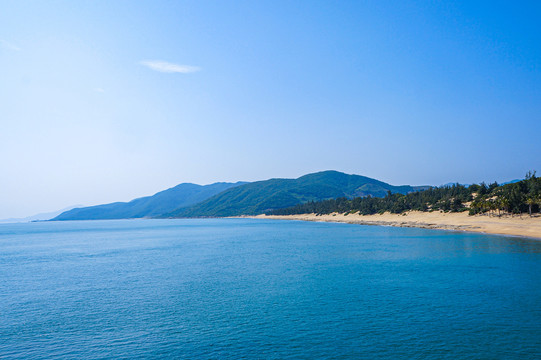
(109, 100)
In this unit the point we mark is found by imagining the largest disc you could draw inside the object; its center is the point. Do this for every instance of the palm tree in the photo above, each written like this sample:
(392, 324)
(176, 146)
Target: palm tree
(499, 206)
(485, 206)
(493, 206)
(530, 201)
(505, 203)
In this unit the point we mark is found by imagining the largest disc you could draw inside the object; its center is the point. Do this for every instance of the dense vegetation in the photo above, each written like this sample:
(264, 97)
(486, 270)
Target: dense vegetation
(149, 206)
(515, 198)
(262, 196)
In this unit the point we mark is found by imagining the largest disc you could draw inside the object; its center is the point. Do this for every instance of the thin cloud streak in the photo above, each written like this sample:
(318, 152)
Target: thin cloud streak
(167, 67)
(6, 44)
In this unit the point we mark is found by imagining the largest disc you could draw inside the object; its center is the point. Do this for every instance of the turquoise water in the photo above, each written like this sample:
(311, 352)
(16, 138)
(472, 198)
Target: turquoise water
(241, 288)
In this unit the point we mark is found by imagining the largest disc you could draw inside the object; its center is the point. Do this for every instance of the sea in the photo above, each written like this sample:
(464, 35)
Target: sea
(265, 289)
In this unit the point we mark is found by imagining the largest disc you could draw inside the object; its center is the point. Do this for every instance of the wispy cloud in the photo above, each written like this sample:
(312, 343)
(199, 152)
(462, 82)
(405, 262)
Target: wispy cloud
(167, 67)
(100, 90)
(6, 44)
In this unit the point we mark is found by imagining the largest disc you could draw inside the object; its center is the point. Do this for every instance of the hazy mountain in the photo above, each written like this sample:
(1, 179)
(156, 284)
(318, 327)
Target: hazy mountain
(258, 197)
(450, 184)
(38, 217)
(510, 182)
(503, 183)
(163, 202)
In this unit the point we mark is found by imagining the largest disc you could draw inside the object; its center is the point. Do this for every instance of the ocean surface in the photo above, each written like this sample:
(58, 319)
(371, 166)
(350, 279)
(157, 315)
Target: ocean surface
(265, 289)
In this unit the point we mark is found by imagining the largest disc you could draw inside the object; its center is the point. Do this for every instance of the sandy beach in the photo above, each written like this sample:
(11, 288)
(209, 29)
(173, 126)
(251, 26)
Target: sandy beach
(505, 225)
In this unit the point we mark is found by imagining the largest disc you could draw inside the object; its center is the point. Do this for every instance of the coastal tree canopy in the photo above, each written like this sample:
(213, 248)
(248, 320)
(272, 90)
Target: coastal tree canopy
(514, 198)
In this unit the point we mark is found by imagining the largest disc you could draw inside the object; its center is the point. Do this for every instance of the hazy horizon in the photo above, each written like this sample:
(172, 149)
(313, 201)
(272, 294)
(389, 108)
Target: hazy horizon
(110, 101)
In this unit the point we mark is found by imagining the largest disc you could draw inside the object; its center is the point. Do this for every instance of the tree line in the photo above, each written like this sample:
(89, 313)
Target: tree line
(515, 198)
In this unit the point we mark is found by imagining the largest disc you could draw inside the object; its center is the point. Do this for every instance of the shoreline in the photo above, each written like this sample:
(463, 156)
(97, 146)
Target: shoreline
(517, 226)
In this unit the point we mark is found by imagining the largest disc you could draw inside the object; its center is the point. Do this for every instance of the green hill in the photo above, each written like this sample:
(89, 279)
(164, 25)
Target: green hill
(261, 196)
(150, 206)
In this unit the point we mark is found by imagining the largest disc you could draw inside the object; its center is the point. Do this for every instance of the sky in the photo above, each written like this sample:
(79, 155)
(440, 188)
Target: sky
(104, 101)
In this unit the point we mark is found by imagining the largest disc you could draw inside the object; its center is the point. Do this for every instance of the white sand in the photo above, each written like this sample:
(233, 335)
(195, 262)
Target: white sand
(523, 225)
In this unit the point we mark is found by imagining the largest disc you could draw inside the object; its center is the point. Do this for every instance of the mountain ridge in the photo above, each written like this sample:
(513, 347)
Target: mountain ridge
(260, 196)
(241, 198)
(184, 194)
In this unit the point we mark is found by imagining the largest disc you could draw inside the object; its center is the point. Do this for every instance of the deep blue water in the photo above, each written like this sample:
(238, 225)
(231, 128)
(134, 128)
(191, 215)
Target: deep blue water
(242, 288)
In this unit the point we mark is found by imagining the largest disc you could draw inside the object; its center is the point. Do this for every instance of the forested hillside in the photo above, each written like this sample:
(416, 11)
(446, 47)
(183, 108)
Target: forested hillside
(513, 198)
(262, 196)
